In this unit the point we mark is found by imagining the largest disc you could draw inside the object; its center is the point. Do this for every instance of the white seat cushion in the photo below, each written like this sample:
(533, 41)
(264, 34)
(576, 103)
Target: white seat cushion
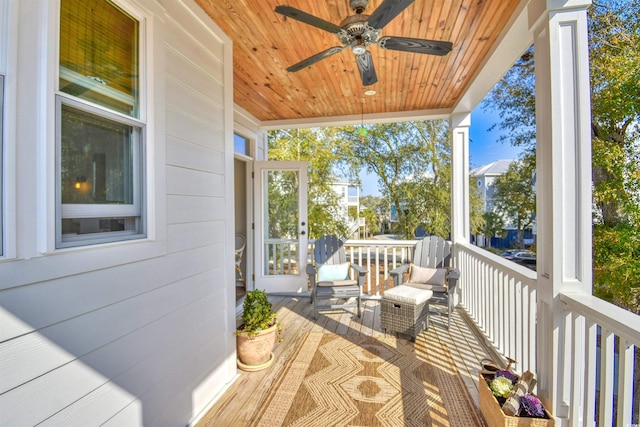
(408, 295)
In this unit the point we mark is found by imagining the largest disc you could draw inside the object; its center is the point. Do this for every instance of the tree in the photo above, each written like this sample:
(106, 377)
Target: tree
(375, 212)
(493, 224)
(614, 31)
(614, 48)
(412, 161)
(514, 198)
(513, 98)
(319, 148)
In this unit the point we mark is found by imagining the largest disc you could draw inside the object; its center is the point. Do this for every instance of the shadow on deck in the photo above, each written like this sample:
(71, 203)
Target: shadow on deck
(239, 402)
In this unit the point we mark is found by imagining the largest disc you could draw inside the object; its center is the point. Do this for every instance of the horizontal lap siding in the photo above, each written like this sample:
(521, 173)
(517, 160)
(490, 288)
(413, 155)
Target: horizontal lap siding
(135, 342)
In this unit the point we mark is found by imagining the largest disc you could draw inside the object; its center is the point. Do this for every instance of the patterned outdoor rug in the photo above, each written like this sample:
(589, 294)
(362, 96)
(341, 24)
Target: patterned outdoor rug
(349, 380)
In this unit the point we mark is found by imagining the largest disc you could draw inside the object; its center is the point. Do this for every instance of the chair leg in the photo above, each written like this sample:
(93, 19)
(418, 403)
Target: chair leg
(449, 301)
(359, 312)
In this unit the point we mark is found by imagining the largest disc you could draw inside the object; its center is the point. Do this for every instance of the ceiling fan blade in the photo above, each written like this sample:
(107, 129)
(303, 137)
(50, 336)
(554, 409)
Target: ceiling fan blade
(388, 10)
(301, 16)
(407, 44)
(367, 69)
(315, 58)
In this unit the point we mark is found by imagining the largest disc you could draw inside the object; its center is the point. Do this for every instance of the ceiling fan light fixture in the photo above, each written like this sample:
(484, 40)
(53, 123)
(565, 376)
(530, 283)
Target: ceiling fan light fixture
(359, 49)
(359, 6)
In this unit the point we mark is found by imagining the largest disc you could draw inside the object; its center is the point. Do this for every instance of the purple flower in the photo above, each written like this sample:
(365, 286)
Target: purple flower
(531, 406)
(507, 374)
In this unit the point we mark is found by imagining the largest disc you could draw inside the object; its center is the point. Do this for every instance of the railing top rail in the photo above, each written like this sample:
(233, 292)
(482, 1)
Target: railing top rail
(383, 243)
(621, 322)
(517, 271)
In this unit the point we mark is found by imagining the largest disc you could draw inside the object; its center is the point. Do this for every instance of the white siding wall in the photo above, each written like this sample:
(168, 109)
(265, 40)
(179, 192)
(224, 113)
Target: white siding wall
(136, 332)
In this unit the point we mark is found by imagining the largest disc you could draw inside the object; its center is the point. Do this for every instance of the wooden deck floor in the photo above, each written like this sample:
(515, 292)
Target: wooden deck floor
(237, 404)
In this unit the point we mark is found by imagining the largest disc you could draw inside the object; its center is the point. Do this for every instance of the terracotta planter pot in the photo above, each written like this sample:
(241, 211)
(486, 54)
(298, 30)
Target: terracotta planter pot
(254, 352)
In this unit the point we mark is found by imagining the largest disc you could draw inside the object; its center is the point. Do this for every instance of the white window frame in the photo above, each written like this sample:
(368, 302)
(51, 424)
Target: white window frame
(135, 210)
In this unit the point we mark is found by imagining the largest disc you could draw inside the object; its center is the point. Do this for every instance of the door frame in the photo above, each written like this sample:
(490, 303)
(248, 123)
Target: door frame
(283, 284)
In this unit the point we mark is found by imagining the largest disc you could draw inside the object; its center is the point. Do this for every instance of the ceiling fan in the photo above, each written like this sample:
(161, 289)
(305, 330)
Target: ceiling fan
(360, 31)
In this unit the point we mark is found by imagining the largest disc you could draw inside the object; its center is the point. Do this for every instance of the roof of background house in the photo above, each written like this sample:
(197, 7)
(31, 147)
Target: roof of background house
(495, 168)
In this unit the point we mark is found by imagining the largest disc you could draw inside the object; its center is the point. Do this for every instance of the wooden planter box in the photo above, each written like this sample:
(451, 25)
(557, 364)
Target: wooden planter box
(494, 416)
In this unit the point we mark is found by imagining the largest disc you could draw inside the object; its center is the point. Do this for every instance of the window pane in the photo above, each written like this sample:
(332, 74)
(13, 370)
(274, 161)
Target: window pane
(240, 144)
(99, 54)
(73, 229)
(97, 159)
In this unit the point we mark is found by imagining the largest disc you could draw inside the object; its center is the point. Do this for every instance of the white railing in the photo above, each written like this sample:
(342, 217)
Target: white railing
(603, 339)
(280, 256)
(501, 298)
(379, 257)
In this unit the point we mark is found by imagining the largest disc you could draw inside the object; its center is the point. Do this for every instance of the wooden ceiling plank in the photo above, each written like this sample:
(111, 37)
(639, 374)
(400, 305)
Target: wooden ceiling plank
(498, 15)
(266, 43)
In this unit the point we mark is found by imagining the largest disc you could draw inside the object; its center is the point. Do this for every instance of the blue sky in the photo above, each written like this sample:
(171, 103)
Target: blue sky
(484, 147)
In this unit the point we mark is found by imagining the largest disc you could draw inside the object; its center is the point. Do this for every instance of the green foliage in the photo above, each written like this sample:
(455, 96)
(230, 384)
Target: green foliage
(375, 210)
(614, 32)
(257, 314)
(614, 38)
(614, 48)
(616, 259)
(282, 204)
(493, 224)
(514, 197)
(320, 149)
(513, 98)
(412, 161)
(477, 220)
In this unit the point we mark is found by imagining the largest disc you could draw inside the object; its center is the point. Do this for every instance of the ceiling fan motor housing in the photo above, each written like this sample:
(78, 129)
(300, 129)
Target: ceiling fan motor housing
(356, 29)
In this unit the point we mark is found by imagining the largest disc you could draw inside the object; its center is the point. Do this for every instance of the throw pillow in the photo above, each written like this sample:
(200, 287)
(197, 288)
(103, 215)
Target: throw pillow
(431, 276)
(330, 272)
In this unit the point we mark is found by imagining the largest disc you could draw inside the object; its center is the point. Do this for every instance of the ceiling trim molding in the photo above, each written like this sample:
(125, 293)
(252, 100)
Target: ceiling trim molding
(406, 116)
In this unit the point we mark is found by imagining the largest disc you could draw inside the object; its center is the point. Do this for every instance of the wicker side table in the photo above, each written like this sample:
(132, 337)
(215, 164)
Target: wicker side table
(405, 310)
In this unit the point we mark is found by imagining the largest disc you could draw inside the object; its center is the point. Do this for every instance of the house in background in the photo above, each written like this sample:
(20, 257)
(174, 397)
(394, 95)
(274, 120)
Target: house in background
(349, 206)
(485, 176)
(122, 191)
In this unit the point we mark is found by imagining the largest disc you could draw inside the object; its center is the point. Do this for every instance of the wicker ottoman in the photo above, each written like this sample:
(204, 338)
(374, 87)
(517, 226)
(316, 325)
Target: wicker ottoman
(405, 310)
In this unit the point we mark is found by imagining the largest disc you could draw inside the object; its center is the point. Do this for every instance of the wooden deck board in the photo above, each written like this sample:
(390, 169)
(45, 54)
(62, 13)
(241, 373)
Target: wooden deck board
(237, 404)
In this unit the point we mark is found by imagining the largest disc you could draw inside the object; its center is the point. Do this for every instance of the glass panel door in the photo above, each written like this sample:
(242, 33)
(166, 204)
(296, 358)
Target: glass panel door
(281, 226)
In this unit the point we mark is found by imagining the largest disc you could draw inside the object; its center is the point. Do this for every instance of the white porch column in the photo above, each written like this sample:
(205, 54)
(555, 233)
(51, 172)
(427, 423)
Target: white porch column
(460, 177)
(563, 186)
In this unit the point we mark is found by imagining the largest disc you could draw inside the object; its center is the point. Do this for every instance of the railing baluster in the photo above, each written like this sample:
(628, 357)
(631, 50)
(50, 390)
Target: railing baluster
(626, 356)
(607, 343)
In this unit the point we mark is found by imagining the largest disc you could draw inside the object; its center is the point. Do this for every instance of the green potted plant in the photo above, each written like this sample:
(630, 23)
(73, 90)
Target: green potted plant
(257, 335)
